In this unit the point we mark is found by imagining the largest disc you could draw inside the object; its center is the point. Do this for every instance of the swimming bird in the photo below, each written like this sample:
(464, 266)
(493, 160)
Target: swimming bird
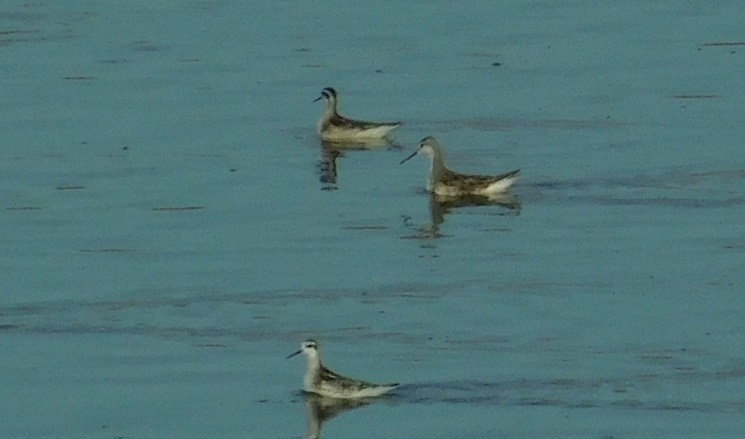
(335, 127)
(322, 381)
(443, 181)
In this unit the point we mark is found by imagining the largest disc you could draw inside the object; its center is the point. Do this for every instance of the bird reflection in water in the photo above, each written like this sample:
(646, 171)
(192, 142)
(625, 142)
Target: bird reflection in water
(442, 205)
(330, 151)
(319, 409)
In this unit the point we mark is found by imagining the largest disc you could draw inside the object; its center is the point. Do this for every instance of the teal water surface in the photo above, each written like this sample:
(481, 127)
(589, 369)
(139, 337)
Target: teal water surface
(173, 228)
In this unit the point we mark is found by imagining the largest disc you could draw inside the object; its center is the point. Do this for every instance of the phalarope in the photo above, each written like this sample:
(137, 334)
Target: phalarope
(332, 126)
(320, 380)
(443, 181)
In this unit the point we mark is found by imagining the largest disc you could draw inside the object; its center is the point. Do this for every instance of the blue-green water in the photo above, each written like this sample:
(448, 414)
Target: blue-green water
(172, 228)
